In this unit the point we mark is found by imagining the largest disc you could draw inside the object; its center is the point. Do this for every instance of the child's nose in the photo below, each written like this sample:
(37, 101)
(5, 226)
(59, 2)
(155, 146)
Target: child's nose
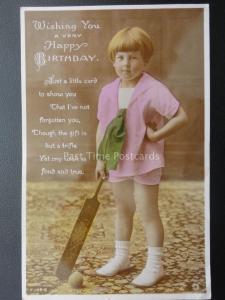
(126, 61)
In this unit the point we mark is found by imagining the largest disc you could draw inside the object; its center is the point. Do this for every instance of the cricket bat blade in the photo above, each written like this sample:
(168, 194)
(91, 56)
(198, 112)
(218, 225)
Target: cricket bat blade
(78, 236)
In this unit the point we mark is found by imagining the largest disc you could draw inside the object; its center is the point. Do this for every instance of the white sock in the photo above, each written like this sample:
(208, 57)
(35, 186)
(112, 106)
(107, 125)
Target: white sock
(153, 270)
(119, 262)
(154, 260)
(122, 250)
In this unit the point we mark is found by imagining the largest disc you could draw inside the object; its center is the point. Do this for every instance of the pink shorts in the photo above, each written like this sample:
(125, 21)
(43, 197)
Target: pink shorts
(151, 178)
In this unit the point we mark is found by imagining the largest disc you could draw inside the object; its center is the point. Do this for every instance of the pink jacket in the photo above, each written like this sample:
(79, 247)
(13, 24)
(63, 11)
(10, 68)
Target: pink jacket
(151, 101)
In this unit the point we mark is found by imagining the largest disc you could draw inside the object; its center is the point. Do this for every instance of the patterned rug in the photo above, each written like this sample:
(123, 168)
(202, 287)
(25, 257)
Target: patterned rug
(52, 209)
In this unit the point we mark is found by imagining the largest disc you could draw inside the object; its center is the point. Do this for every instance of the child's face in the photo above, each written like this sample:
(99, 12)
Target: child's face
(129, 66)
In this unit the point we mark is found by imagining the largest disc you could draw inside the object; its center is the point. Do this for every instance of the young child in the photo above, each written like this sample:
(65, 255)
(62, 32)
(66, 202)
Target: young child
(135, 181)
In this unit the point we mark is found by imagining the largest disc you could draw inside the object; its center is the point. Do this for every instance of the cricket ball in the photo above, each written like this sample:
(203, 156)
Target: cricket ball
(76, 280)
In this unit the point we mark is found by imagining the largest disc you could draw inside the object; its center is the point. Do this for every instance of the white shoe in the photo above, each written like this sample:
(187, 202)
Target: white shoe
(148, 277)
(113, 267)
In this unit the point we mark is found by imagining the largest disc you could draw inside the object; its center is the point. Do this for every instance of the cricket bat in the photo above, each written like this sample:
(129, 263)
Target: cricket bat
(78, 235)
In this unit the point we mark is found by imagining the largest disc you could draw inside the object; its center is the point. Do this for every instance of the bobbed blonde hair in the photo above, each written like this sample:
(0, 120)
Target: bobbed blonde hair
(131, 39)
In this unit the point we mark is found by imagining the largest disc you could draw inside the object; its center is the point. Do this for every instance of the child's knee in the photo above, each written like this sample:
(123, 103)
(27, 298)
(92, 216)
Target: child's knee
(125, 209)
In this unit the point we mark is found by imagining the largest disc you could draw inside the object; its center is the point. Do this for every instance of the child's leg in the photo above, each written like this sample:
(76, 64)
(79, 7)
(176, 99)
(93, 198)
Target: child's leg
(146, 197)
(125, 208)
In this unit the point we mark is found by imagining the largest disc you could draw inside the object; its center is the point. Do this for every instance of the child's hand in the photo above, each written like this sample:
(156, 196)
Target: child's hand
(100, 170)
(151, 132)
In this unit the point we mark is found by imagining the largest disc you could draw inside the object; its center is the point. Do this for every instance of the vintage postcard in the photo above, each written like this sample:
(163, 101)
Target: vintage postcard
(115, 103)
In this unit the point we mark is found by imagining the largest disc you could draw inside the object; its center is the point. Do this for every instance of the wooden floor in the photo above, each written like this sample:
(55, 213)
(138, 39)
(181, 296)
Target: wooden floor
(52, 208)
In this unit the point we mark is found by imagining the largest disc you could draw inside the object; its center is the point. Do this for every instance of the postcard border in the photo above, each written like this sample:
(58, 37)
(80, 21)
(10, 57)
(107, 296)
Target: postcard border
(177, 296)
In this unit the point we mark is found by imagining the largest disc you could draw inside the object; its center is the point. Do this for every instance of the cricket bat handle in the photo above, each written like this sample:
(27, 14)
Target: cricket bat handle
(99, 187)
